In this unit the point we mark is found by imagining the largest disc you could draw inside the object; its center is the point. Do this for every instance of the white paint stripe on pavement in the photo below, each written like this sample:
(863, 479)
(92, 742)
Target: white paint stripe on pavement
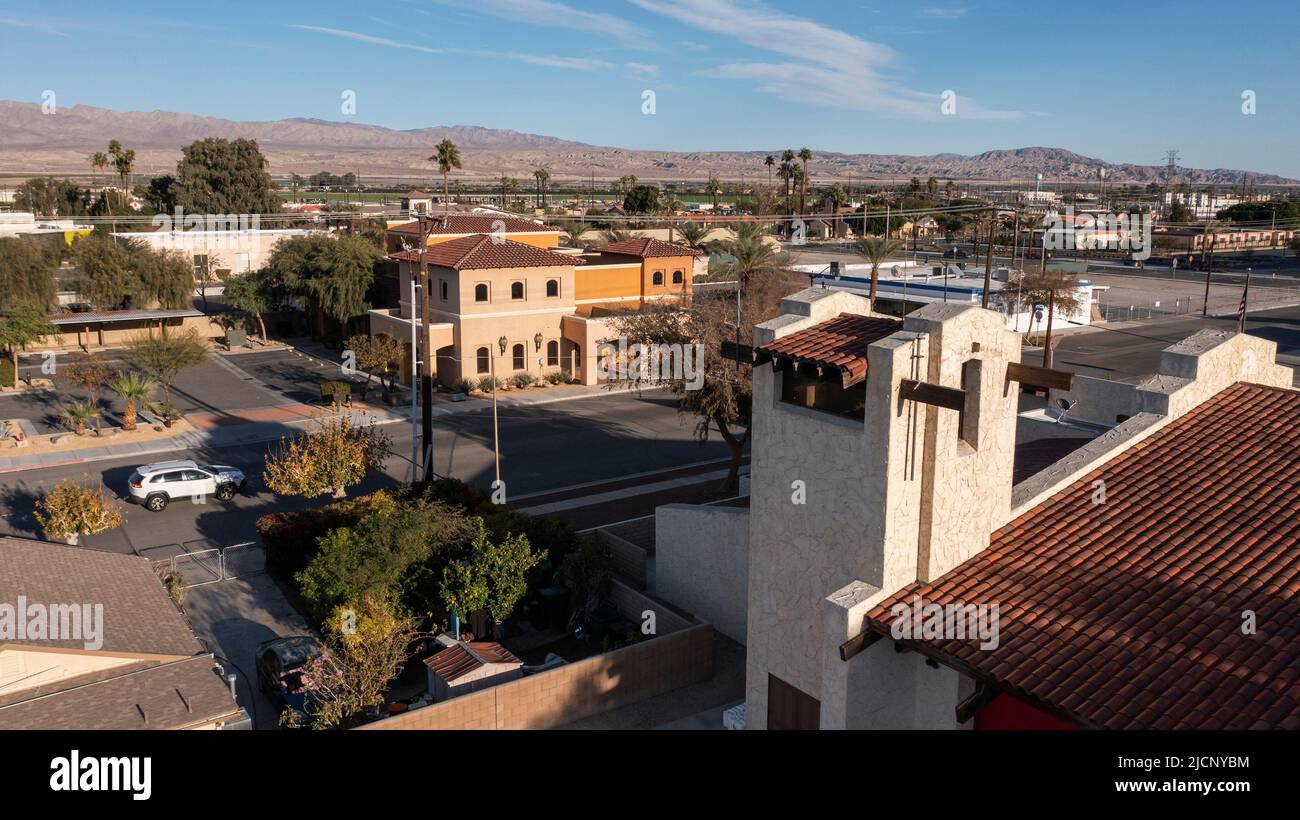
(629, 492)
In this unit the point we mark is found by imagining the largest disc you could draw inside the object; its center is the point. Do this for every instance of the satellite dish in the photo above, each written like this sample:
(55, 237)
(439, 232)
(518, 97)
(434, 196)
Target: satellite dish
(1065, 405)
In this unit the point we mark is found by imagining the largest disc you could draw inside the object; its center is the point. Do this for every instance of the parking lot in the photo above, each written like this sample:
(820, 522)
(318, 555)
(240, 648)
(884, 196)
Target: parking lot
(222, 385)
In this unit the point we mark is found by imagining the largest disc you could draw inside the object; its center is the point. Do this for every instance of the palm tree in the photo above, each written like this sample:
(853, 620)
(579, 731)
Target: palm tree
(447, 157)
(715, 189)
(125, 165)
(876, 249)
(505, 185)
(787, 169)
(99, 160)
(541, 175)
(78, 415)
(769, 161)
(573, 232)
(932, 188)
(804, 156)
(950, 189)
(612, 235)
(136, 390)
(693, 233)
(753, 255)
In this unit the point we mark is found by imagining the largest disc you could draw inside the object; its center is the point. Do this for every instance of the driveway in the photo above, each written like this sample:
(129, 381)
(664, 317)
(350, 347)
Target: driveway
(232, 617)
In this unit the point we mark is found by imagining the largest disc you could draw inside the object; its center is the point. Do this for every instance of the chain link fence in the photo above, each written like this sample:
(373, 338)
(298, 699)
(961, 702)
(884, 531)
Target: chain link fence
(195, 563)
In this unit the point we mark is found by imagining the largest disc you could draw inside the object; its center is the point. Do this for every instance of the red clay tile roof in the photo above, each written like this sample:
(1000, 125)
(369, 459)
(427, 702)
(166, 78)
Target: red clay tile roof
(459, 660)
(1129, 614)
(648, 248)
(473, 223)
(838, 344)
(481, 251)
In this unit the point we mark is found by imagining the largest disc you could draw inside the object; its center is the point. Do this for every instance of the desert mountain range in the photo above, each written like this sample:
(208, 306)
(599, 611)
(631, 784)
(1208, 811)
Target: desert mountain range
(34, 142)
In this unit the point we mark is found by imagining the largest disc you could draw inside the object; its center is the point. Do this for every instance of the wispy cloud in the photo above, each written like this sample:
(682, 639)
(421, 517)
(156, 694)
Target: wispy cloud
(31, 25)
(550, 61)
(552, 14)
(823, 66)
(944, 13)
(367, 38)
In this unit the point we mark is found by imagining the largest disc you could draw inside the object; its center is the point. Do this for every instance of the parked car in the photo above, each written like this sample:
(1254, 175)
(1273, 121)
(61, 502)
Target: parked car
(280, 674)
(955, 253)
(157, 485)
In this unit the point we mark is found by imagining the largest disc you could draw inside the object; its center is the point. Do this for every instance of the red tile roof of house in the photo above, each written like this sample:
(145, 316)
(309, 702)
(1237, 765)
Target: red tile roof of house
(474, 223)
(648, 248)
(839, 344)
(459, 660)
(480, 251)
(1129, 613)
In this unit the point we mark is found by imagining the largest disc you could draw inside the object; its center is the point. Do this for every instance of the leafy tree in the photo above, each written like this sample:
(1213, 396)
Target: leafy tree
(48, 196)
(1287, 211)
(334, 275)
(135, 390)
(160, 193)
(327, 460)
(642, 199)
(380, 355)
(723, 402)
(876, 249)
(367, 642)
(91, 374)
(112, 273)
(22, 325)
(378, 556)
(492, 576)
(71, 510)
(164, 356)
(1056, 291)
(26, 273)
(220, 176)
(251, 295)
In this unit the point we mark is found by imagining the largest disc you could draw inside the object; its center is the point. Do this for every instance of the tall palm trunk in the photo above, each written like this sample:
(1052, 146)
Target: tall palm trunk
(129, 417)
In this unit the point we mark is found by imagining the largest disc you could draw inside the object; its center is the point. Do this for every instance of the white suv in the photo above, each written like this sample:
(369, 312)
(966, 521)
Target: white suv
(157, 485)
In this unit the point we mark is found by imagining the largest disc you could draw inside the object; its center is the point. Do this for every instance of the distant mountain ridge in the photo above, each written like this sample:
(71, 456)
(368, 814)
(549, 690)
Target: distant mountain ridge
(33, 142)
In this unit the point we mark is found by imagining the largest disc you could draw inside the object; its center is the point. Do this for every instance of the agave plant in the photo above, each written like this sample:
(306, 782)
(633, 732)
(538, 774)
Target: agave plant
(136, 390)
(78, 415)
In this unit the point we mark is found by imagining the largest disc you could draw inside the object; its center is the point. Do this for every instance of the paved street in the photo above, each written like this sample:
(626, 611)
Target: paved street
(1131, 351)
(544, 448)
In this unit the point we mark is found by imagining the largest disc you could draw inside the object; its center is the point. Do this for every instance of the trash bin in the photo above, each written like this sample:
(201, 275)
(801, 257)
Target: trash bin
(555, 600)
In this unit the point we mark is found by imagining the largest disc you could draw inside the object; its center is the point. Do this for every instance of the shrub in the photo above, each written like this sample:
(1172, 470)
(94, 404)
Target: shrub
(290, 538)
(488, 383)
(7, 374)
(463, 386)
(557, 377)
(524, 379)
(337, 393)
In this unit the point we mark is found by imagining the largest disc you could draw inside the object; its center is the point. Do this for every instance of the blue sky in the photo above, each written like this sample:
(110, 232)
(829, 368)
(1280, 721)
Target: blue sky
(1118, 81)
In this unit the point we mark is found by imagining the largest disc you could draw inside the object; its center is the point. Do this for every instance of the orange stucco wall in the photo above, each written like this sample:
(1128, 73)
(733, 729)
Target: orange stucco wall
(624, 281)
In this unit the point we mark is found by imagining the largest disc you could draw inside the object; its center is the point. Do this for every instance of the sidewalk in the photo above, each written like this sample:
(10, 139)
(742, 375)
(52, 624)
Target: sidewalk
(258, 425)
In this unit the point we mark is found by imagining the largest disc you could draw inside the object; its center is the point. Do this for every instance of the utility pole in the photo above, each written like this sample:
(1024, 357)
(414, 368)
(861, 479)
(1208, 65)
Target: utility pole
(1207, 257)
(426, 357)
(988, 260)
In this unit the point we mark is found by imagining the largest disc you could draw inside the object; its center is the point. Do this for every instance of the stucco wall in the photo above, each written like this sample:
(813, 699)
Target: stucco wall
(702, 563)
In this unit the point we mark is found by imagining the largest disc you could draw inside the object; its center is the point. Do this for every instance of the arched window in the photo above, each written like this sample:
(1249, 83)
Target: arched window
(517, 356)
(516, 290)
(552, 287)
(677, 277)
(658, 277)
(552, 353)
(480, 293)
(484, 365)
